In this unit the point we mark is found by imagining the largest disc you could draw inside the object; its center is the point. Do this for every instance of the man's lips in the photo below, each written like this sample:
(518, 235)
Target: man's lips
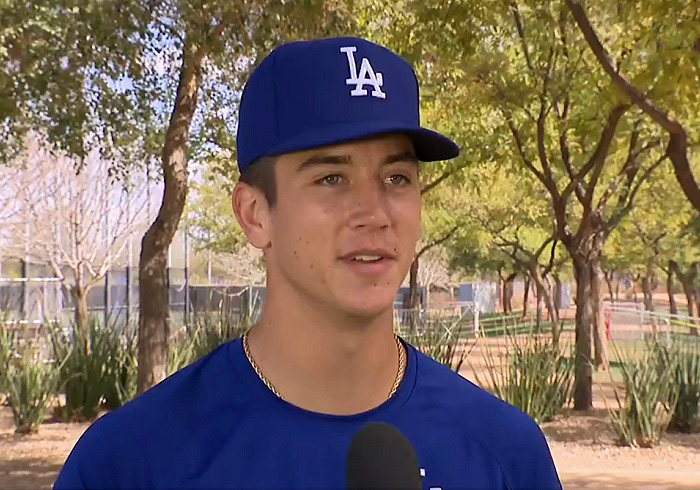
(371, 269)
(382, 253)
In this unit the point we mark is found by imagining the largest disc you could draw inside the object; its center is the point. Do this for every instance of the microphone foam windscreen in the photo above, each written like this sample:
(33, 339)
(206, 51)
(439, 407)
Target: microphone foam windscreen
(380, 457)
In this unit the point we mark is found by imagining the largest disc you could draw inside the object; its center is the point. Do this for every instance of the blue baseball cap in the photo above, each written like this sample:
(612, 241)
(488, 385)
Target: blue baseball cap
(308, 94)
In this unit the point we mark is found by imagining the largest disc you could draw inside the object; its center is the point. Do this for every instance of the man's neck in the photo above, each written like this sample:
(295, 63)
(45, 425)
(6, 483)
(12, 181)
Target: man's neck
(325, 363)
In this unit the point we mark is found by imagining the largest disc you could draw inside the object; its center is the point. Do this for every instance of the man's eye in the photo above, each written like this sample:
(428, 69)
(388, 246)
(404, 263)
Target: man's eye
(398, 179)
(333, 179)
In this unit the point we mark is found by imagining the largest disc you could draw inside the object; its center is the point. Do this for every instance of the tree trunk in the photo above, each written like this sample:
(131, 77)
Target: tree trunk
(669, 287)
(687, 280)
(526, 295)
(600, 340)
(153, 291)
(81, 317)
(538, 305)
(412, 299)
(500, 288)
(634, 278)
(608, 280)
(543, 296)
(583, 385)
(508, 292)
(557, 294)
(648, 288)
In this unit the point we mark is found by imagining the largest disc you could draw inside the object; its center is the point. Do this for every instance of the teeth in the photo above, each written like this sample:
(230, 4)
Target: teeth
(367, 258)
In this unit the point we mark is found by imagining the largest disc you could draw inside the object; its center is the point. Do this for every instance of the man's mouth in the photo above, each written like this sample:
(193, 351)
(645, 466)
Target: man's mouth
(372, 263)
(367, 258)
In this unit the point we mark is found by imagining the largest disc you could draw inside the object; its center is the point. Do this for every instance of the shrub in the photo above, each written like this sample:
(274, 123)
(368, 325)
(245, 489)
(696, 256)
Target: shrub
(120, 375)
(92, 362)
(439, 339)
(29, 380)
(650, 396)
(532, 374)
(205, 333)
(685, 362)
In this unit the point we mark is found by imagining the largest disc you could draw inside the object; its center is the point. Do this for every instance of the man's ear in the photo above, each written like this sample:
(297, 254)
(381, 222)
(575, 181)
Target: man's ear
(253, 214)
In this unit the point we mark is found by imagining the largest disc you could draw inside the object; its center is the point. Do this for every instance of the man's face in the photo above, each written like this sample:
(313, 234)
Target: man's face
(346, 223)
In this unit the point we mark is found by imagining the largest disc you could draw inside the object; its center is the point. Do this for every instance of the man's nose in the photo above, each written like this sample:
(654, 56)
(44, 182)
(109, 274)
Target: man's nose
(369, 206)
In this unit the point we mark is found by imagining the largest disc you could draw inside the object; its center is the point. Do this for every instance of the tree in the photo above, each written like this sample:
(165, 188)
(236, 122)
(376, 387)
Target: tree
(509, 211)
(87, 72)
(78, 222)
(588, 150)
(666, 38)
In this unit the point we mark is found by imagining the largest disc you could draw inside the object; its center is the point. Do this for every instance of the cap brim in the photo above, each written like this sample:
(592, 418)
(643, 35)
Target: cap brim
(429, 145)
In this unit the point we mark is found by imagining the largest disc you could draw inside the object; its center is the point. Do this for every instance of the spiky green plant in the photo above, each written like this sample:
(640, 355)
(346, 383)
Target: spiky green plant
(205, 332)
(92, 360)
(29, 380)
(685, 361)
(530, 372)
(440, 339)
(650, 397)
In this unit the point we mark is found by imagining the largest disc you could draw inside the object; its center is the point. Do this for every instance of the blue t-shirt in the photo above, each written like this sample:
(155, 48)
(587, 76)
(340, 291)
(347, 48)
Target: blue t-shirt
(215, 425)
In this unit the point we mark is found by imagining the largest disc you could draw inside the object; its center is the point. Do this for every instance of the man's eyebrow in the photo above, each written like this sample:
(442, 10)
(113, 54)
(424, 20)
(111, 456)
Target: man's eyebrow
(315, 160)
(404, 156)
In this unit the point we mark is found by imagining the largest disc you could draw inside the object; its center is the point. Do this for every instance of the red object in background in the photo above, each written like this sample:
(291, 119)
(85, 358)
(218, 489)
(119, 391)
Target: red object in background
(608, 321)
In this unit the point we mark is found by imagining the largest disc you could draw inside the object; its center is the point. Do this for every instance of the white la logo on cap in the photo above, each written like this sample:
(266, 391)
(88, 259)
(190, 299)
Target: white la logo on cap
(366, 76)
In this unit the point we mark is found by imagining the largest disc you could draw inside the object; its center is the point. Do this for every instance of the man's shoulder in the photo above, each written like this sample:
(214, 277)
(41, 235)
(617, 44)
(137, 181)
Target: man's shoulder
(502, 430)
(468, 401)
(157, 424)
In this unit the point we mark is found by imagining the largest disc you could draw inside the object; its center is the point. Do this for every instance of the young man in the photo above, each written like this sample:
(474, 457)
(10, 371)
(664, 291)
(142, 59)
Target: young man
(329, 141)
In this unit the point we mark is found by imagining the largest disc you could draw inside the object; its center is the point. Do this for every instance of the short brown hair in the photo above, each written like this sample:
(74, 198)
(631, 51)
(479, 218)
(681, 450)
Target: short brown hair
(261, 175)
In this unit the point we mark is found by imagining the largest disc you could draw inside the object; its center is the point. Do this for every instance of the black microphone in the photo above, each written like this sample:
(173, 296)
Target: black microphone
(380, 457)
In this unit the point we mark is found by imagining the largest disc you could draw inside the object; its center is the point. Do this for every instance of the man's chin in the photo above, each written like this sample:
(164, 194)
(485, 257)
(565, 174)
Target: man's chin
(369, 307)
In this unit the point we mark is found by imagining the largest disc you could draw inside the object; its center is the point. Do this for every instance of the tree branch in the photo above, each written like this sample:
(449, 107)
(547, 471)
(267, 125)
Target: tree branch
(603, 58)
(452, 169)
(597, 160)
(441, 240)
(678, 143)
(521, 35)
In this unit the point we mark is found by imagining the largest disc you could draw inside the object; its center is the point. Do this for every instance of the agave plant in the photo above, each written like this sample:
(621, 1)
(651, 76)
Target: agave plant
(29, 380)
(650, 397)
(531, 373)
(93, 361)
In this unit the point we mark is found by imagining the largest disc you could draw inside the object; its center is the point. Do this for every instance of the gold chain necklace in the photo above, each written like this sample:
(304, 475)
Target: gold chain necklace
(266, 382)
